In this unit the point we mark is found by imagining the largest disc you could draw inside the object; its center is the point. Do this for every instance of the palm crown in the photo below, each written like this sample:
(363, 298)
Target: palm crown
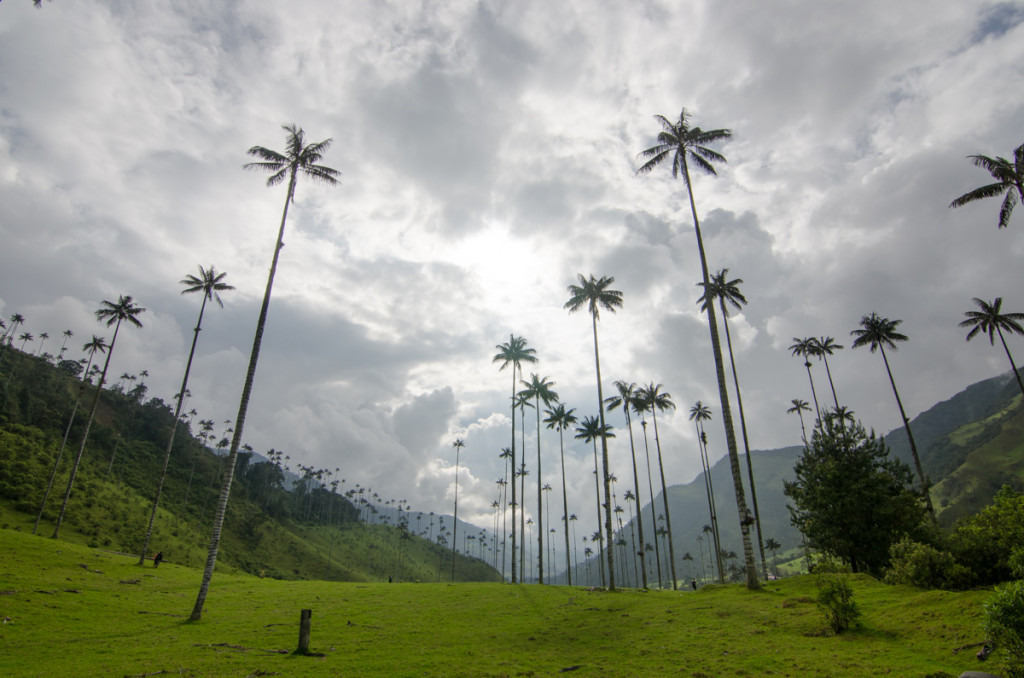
(299, 158)
(209, 282)
(728, 291)
(877, 332)
(124, 309)
(1009, 178)
(594, 294)
(990, 319)
(681, 143)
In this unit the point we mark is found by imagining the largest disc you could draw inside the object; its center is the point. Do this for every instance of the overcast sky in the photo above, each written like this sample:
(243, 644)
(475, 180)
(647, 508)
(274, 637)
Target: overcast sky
(488, 152)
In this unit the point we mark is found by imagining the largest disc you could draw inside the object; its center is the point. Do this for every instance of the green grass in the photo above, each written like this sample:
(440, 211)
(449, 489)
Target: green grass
(72, 610)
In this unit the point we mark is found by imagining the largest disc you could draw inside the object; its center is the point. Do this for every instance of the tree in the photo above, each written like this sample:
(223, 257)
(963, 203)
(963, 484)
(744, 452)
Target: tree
(67, 335)
(640, 406)
(25, 337)
(1009, 178)
(539, 388)
(626, 394)
(458, 445)
(990, 319)
(16, 320)
(514, 352)
(114, 314)
(700, 413)
(824, 347)
(681, 144)
(42, 341)
(728, 291)
(773, 546)
(561, 419)
(590, 430)
(210, 283)
(851, 499)
(656, 400)
(878, 332)
(805, 348)
(594, 294)
(800, 406)
(300, 158)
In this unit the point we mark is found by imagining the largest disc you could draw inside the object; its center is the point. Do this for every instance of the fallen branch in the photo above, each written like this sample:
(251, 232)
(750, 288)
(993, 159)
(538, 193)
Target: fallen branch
(242, 648)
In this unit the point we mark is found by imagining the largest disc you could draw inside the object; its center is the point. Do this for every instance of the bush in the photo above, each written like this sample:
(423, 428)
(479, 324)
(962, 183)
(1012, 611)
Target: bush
(1004, 623)
(835, 600)
(924, 566)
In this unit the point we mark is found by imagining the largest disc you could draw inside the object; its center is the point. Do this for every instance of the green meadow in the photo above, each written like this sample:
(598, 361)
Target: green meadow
(71, 610)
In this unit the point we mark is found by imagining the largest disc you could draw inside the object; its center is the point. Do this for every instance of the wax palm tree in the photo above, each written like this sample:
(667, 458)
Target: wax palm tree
(990, 319)
(773, 546)
(514, 352)
(700, 413)
(211, 284)
(539, 388)
(640, 406)
(1009, 178)
(458, 445)
(806, 348)
(594, 294)
(589, 430)
(67, 335)
(98, 344)
(729, 291)
(17, 319)
(114, 314)
(824, 347)
(300, 158)
(25, 337)
(877, 333)
(561, 419)
(522, 402)
(626, 394)
(42, 342)
(659, 400)
(680, 144)
(799, 407)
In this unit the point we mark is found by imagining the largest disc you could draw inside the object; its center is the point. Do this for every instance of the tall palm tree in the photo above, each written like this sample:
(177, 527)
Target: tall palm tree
(539, 388)
(990, 319)
(659, 400)
(680, 144)
(458, 445)
(67, 335)
(773, 546)
(514, 352)
(299, 158)
(626, 394)
(877, 333)
(42, 342)
(561, 419)
(700, 413)
(594, 294)
(640, 406)
(826, 346)
(97, 344)
(16, 320)
(800, 406)
(114, 314)
(1009, 178)
(729, 291)
(25, 337)
(805, 348)
(210, 283)
(589, 430)
(522, 402)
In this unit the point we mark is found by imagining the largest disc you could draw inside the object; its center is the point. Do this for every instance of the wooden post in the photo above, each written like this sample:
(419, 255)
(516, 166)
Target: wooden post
(304, 626)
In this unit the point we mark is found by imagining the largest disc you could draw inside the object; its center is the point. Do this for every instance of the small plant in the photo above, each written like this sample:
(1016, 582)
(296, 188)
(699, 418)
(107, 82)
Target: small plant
(1004, 623)
(835, 600)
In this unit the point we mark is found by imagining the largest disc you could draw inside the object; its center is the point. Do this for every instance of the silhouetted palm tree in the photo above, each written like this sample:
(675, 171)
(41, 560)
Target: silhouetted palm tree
(589, 430)
(539, 388)
(626, 394)
(805, 348)
(773, 546)
(124, 310)
(825, 347)
(659, 400)
(877, 333)
(700, 413)
(1009, 178)
(681, 144)
(67, 335)
(458, 445)
(594, 294)
(514, 353)
(800, 406)
(990, 319)
(561, 419)
(640, 406)
(300, 158)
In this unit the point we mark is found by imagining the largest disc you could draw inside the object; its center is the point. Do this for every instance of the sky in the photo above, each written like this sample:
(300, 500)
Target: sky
(488, 153)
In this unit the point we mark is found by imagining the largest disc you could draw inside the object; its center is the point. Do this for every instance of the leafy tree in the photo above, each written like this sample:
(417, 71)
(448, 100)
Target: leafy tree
(211, 284)
(514, 353)
(561, 419)
(990, 319)
(877, 333)
(988, 540)
(627, 392)
(680, 144)
(851, 499)
(300, 158)
(114, 314)
(539, 388)
(594, 294)
(1009, 178)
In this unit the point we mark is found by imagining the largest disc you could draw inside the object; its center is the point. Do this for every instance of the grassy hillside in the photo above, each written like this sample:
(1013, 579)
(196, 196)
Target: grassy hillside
(72, 610)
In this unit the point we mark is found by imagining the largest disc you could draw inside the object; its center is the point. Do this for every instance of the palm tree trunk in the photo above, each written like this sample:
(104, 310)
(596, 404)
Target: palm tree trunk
(56, 464)
(723, 394)
(604, 459)
(664, 497)
(910, 437)
(654, 524)
(746, 441)
(540, 515)
(243, 406)
(709, 487)
(1013, 365)
(455, 518)
(814, 394)
(565, 511)
(636, 490)
(597, 495)
(514, 579)
(831, 385)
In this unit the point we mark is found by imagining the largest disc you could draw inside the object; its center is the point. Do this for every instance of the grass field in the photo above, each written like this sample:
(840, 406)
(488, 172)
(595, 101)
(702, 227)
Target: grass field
(69, 610)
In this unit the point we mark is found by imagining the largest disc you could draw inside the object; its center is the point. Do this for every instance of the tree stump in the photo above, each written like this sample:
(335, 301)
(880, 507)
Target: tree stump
(304, 628)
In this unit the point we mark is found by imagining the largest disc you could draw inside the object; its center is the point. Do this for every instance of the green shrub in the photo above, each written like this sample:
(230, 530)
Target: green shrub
(1004, 623)
(924, 566)
(828, 564)
(835, 600)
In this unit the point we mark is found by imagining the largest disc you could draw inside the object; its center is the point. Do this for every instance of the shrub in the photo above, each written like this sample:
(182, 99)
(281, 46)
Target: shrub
(835, 600)
(1004, 623)
(924, 566)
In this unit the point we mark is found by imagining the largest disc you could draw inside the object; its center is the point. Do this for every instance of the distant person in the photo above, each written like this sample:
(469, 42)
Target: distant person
(693, 584)
(158, 558)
